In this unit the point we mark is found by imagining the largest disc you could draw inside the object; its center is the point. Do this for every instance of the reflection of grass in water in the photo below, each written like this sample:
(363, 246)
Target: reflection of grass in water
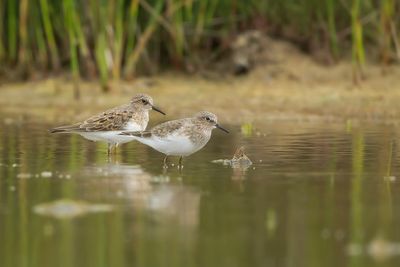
(12, 145)
(230, 221)
(101, 151)
(386, 216)
(357, 227)
(271, 222)
(75, 162)
(247, 129)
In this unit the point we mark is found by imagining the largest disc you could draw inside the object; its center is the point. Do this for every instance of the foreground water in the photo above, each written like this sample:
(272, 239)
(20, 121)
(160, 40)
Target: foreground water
(316, 195)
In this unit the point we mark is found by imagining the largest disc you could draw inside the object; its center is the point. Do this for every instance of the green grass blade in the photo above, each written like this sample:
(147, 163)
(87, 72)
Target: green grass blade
(48, 28)
(12, 15)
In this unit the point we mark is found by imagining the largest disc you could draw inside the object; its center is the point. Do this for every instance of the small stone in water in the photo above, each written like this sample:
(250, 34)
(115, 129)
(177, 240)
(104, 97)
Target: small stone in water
(239, 160)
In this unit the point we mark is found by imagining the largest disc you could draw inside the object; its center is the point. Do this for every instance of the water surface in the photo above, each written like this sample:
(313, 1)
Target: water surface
(316, 195)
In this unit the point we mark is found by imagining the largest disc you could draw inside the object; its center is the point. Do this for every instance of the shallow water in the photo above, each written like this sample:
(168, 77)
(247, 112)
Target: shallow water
(316, 195)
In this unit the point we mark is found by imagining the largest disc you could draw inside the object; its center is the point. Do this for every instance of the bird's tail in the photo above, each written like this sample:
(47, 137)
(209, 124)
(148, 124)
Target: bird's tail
(64, 129)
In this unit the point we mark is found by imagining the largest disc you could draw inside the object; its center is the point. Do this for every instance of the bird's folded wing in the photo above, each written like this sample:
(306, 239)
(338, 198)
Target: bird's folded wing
(110, 120)
(65, 129)
(168, 128)
(160, 131)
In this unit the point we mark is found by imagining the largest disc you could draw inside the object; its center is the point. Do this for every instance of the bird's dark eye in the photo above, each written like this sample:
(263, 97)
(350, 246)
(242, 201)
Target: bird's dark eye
(208, 118)
(144, 101)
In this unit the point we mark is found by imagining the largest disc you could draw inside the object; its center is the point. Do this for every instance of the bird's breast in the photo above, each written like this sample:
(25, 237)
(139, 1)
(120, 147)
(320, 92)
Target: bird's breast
(199, 137)
(138, 122)
(134, 126)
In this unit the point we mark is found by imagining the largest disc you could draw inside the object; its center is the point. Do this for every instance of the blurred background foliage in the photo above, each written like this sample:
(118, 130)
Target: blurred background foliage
(122, 38)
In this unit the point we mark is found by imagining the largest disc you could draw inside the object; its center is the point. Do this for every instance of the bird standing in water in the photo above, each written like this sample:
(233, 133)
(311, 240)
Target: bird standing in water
(107, 126)
(181, 137)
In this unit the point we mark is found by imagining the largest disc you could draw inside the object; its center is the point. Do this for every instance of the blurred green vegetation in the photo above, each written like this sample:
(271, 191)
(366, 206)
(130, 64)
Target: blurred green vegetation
(117, 39)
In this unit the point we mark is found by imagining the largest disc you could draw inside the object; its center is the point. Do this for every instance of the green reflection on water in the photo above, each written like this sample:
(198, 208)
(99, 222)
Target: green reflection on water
(311, 192)
(357, 227)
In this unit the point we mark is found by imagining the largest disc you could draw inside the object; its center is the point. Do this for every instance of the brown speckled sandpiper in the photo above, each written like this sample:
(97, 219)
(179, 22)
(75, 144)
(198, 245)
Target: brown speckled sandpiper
(108, 125)
(179, 137)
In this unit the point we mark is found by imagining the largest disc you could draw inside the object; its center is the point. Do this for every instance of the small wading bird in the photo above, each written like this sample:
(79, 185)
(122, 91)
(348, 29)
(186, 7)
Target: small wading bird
(107, 125)
(179, 137)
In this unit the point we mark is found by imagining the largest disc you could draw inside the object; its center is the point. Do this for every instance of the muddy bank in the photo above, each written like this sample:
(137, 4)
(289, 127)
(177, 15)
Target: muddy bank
(289, 86)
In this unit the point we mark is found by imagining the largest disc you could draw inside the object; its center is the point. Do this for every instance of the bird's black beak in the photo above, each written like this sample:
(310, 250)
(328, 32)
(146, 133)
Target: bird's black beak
(158, 110)
(221, 128)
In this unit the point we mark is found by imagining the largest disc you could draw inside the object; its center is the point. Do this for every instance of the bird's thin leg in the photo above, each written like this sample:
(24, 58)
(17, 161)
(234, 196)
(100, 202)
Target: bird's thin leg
(109, 149)
(165, 162)
(165, 170)
(180, 163)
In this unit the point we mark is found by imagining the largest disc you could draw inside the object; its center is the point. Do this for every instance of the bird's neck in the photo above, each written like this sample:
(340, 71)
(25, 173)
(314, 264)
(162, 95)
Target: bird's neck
(141, 117)
(201, 135)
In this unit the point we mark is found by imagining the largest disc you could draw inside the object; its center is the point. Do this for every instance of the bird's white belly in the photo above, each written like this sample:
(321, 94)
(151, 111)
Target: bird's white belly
(173, 146)
(134, 127)
(111, 137)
